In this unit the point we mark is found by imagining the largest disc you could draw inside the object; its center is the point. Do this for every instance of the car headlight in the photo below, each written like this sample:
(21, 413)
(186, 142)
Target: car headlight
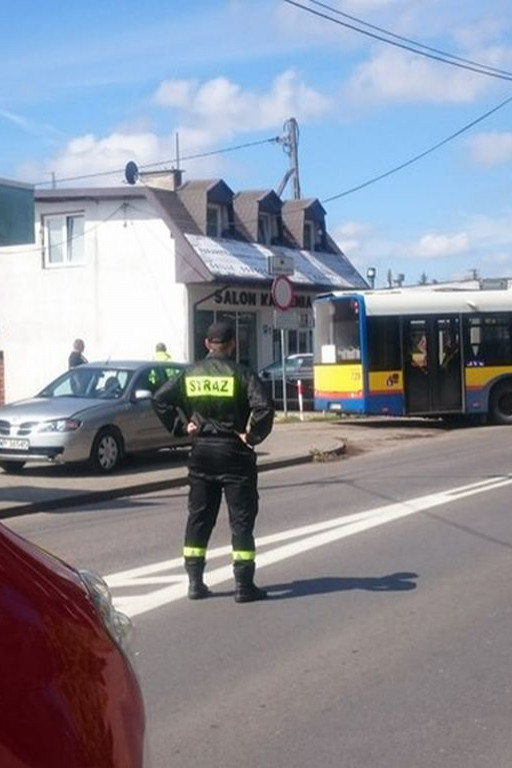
(118, 625)
(59, 425)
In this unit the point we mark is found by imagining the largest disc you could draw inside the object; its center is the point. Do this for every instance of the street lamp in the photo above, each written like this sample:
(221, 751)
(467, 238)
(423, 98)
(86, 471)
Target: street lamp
(371, 274)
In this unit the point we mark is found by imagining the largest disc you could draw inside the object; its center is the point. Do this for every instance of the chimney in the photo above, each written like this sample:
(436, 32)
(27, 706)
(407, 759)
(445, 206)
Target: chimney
(170, 179)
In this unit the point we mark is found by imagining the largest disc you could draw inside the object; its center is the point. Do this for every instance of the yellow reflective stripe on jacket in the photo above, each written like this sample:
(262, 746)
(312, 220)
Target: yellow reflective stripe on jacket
(241, 555)
(194, 551)
(162, 356)
(217, 386)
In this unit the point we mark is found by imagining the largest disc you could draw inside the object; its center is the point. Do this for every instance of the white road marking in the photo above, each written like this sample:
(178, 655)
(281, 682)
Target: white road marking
(297, 540)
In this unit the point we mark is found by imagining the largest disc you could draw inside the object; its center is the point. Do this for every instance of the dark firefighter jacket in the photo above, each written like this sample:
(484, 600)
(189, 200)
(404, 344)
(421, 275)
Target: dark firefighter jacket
(220, 396)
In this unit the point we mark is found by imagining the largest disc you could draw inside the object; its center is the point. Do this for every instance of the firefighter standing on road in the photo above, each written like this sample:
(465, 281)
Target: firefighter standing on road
(227, 412)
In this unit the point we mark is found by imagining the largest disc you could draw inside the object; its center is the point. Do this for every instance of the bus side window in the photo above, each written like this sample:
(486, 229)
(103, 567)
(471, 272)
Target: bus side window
(383, 343)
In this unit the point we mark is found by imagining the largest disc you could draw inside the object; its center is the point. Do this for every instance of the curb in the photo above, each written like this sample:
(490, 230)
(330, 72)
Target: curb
(95, 497)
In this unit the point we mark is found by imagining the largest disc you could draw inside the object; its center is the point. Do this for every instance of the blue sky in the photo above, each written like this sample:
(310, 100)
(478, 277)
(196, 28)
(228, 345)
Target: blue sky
(86, 88)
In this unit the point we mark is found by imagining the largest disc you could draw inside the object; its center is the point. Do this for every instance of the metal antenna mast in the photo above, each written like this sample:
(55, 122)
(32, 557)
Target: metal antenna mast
(290, 144)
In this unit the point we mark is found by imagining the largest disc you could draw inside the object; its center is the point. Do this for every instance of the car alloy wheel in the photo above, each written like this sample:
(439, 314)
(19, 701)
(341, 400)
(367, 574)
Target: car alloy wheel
(107, 450)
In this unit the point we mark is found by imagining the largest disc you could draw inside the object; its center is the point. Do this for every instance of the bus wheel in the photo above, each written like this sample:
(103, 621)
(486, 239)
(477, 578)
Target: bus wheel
(500, 408)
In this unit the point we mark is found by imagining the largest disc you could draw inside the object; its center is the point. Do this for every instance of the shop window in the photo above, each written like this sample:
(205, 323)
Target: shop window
(245, 324)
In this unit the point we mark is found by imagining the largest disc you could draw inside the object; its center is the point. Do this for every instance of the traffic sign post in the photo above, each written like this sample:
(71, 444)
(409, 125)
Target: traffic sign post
(283, 295)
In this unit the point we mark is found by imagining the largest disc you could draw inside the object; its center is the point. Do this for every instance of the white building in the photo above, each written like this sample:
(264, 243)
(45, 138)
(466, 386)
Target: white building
(124, 268)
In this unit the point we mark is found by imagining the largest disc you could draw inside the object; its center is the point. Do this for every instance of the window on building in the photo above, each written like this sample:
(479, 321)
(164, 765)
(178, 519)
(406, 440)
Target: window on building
(263, 228)
(269, 229)
(63, 239)
(245, 324)
(213, 221)
(217, 221)
(308, 235)
(313, 236)
(300, 341)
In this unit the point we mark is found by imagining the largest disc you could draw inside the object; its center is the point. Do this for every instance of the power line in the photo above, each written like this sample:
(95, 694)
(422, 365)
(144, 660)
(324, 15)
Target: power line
(479, 69)
(408, 40)
(421, 155)
(196, 156)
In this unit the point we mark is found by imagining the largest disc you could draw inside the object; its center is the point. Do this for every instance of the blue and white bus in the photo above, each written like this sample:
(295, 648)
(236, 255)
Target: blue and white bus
(415, 351)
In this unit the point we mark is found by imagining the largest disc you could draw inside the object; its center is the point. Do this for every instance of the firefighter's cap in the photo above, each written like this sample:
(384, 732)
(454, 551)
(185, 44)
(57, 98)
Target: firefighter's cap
(220, 333)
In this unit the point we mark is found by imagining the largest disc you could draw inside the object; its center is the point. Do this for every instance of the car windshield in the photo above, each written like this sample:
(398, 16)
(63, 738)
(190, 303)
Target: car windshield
(95, 383)
(293, 363)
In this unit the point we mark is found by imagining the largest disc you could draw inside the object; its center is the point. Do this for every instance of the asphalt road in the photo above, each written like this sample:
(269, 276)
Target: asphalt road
(385, 642)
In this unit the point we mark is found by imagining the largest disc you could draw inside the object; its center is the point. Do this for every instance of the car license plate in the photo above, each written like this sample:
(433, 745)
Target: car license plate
(14, 444)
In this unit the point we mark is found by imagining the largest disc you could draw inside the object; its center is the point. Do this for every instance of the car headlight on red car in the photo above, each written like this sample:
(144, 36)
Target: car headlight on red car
(60, 425)
(118, 625)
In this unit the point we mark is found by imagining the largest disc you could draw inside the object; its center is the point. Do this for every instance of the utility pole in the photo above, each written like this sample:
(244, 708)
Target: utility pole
(290, 145)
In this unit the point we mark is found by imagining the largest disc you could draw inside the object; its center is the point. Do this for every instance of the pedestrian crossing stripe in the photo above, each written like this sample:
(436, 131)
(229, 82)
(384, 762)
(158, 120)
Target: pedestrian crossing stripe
(216, 386)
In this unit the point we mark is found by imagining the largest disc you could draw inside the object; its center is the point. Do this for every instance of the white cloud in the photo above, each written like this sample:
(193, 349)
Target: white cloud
(227, 109)
(30, 126)
(175, 93)
(439, 245)
(87, 155)
(206, 113)
(394, 77)
(350, 236)
(491, 149)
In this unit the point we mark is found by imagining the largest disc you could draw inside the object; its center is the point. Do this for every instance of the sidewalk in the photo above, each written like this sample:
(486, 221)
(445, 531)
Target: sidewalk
(44, 487)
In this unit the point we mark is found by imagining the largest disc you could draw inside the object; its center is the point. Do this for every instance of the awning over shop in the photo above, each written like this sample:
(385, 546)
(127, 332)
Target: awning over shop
(233, 260)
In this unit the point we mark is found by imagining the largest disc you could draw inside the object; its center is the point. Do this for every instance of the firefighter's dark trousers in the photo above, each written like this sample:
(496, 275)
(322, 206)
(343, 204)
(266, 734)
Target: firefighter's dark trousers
(216, 465)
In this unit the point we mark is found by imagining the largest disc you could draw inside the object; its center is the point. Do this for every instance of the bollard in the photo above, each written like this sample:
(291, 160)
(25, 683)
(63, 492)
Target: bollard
(301, 401)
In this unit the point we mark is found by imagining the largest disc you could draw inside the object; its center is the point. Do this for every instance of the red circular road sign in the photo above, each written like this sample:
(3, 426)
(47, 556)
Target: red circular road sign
(282, 292)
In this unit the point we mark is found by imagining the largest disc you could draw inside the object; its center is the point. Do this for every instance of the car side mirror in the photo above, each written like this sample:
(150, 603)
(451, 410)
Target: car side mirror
(142, 394)
(265, 375)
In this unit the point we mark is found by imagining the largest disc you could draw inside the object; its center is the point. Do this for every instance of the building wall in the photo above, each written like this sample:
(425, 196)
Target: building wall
(121, 301)
(2, 381)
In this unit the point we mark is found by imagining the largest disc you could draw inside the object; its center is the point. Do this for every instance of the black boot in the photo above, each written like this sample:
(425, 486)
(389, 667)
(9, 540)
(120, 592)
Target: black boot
(246, 590)
(197, 589)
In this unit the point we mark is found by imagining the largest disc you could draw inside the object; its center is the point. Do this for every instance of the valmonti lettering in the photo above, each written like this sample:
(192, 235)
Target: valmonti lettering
(209, 386)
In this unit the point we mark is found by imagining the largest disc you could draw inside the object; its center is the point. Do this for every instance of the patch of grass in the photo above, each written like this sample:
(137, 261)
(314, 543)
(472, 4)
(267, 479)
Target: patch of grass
(319, 456)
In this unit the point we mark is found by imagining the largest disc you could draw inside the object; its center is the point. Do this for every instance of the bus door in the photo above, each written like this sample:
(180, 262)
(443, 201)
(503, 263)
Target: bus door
(432, 365)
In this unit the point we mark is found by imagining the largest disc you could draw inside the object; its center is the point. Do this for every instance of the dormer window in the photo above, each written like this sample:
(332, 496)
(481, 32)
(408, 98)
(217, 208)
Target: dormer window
(213, 220)
(217, 221)
(308, 235)
(268, 228)
(313, 236)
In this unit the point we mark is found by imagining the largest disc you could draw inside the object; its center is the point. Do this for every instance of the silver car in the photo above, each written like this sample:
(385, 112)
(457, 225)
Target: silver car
(96, 413)
(298, 367)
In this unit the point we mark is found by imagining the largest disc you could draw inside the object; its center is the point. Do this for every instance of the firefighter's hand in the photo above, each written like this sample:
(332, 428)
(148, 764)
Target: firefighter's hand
(242, 436)
(192, 428)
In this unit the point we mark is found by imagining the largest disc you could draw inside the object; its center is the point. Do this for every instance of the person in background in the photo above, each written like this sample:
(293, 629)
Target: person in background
(161, 352)
(76, 356)
(225, 408)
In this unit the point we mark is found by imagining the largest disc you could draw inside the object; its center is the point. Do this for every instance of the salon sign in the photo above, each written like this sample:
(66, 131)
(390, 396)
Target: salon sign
(234, 297)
